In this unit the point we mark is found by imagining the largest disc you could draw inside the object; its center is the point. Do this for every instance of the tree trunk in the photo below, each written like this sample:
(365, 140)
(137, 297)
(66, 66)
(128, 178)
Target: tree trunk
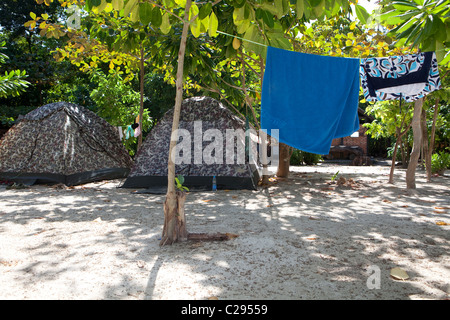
(174, 218)
(174, 223)
(417, 142)
(404, 151)
(394, 156)
(141, 109)
(432, 136)
(425, 145)
(398, 142)
(265, 172)
(284, 160)
(249, 104)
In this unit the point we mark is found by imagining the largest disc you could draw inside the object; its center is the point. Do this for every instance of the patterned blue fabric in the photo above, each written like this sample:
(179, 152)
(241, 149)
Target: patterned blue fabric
(311, 99)
(409, 77)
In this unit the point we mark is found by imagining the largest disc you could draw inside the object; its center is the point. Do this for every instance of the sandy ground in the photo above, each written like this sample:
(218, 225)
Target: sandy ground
(303, 238)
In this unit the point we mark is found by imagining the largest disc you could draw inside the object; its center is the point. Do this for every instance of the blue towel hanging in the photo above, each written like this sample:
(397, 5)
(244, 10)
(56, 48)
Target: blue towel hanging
(311, 99)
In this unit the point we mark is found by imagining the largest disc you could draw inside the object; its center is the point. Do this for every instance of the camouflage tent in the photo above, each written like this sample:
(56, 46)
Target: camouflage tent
(204, 150)
(62, 143)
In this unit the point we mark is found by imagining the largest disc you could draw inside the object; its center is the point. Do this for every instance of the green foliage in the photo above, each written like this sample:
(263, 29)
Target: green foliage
(421, 23)
(334, 176)
(390, 153)
(12, 83)
(388, 117)
(304, 158)
(440, 162)
(118, 103)
(113, 31)
(6, 121)
(179, 180)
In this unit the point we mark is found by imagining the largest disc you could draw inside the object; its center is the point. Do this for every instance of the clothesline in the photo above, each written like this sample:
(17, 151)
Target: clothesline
(266, 46)
(230, 35)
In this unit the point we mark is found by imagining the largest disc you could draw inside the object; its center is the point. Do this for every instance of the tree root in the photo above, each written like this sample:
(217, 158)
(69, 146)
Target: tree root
(211, 236)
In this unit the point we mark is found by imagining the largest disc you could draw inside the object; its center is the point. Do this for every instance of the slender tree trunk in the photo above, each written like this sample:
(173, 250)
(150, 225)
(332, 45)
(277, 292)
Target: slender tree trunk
(174, 229)
(415, 153)
(425, 145)
(249, 104)
(398, 142)
(141, 109)
(284, 160)
(432, 136)
(394, 156)
(265, 173)
(174, 223)
(404, 151)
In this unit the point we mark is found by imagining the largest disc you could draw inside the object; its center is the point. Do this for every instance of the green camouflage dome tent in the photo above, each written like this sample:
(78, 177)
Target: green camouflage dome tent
(62, 143)
(204, 123)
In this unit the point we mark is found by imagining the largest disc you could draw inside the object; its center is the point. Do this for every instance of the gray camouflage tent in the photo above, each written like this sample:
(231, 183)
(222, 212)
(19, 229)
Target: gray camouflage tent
(62, 143)
(200, 119)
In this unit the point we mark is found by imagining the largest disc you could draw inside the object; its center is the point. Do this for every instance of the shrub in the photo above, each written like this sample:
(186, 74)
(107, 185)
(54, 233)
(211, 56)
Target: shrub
(301, 157)
(440, 162)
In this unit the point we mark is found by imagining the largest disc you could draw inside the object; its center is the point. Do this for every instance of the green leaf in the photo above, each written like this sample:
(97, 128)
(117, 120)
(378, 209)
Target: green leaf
(440, 53)
(195, 26)
(195, 29)
(204, 24)
(134, 14)
(213, 25)
(278, 8)
(96, 3)
(117, 4)
(33, 15)
(165, 24)
(239, 3)
(193, 11)
(130, 5)
(441, 30)
(361, 13)
(254, 37)
(269, 7)
(404, 6)
(156, 17)
(300, 6)
(205, 10)
(319, 8)
(391, 17)
(406, 25)
(446, 59)
(282, 43)
(145, 13)
(100, 7)
(181, 3)
(267, 18)
(243, 26)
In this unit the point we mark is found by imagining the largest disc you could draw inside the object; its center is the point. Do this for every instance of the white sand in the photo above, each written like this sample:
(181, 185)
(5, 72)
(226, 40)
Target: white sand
(299, 239)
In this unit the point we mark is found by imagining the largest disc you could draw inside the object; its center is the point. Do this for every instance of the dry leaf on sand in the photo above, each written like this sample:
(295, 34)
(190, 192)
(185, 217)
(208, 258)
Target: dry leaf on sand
(399, 274)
